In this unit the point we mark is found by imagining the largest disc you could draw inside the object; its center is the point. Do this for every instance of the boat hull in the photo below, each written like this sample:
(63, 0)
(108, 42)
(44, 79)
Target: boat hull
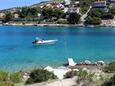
(45, 42)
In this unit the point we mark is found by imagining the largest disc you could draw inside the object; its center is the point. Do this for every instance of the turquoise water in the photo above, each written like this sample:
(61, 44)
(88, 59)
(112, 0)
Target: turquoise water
(80, 43)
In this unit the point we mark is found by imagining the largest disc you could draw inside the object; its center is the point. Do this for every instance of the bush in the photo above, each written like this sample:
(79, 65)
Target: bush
(93, 20)
(3, 76)
(110, 67)
(110, 82)
(80, 73)
(95, 12)
(107, 16)
(70, 74)
(112, 10)
(2, 83)
(16, 77)
(40, 75)
(62, 21)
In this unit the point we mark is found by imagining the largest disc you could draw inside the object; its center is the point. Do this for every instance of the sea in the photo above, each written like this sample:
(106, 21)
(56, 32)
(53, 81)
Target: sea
(80, 43)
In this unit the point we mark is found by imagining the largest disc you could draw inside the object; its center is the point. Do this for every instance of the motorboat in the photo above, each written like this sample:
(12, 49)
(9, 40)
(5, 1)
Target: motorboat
(43, 42)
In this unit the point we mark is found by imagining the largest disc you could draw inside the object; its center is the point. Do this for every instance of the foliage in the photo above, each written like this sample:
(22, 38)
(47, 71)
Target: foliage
(85, 74)
(40, 75)
(28, 12)
(84, 5)
(8, 17)
(3, 76)
(7, 79)
(100, 14)
(110, 67)
(70, 74)
(16, 77)
(110, 82)
(80, 73)
(73, 18)
(3, 83)
(85, 78)
(93, 20)
(107, 16)
(112, 10)
(48, 13)
(62, 21)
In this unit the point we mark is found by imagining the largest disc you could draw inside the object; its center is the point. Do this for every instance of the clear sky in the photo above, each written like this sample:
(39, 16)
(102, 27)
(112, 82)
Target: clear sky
(14, 3)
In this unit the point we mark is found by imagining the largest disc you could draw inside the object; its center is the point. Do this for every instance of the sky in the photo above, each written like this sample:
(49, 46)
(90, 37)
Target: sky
(4, 4)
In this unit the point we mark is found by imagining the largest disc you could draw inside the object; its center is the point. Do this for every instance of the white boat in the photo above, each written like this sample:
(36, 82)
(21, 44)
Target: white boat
(113, 24)
(44, 42)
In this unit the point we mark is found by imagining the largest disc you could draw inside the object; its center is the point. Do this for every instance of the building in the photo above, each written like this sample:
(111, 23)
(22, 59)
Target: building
(16, 15)
(112, 2)
(71, 6)
(2, 15)
(101, 4)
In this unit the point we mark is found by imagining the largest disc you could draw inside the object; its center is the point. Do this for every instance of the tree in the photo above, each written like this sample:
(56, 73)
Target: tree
(95, 12)
(73, 18)
(28, 12)
(84, 5)
(57, 13)
(8, 17)
(47, 13)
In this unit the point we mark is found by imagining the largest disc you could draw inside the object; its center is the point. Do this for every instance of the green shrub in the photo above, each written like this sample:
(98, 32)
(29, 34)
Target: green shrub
(107, 16)
(3, 76)
(112, 10)
(40, 75)
(80, 73)
(110, 67)
(62, 21)
(3, 83)
(16, 77)
(70, 74)
(93, 20)
(110, 82)
(84, 5)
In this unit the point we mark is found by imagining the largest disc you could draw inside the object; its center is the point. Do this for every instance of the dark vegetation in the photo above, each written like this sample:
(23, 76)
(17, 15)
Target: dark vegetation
(40, 75)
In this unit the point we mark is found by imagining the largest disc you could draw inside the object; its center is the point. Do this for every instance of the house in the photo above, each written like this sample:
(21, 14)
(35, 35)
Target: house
(67, 2)
(101, 4)
(112, 2)
(2, 15)
(71, 6)
(16, 15)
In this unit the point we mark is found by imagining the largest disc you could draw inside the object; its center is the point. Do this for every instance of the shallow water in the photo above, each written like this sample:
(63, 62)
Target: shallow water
(80, 43)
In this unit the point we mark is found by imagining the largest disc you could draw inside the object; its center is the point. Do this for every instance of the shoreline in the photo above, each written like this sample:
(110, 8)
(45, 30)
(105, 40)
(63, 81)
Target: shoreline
(57, 25)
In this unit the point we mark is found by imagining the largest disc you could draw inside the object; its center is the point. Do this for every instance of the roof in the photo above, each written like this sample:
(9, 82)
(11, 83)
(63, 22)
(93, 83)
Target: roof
(99, 4)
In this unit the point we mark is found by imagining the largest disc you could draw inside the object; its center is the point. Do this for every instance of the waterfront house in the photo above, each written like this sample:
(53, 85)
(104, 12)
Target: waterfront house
(100, 4)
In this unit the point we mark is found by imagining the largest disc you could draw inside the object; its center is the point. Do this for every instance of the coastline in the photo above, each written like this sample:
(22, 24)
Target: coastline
(56, 25)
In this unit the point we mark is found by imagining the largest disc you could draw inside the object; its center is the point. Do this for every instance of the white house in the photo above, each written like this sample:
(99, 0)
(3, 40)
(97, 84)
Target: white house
(2, 15)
